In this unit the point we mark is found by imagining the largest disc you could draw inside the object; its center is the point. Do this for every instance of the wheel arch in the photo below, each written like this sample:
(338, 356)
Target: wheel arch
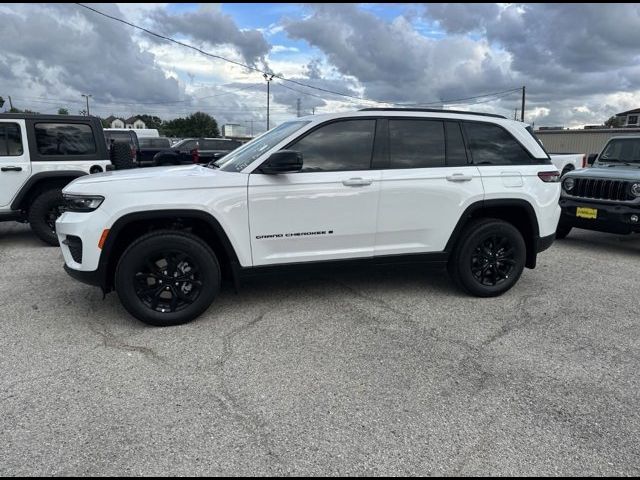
(40, 181)
(517, 212)
(133, 225)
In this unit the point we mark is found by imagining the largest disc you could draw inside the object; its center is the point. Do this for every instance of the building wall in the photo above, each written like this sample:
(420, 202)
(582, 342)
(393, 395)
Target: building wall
(139, 124)
(580, 141)
(117, 124)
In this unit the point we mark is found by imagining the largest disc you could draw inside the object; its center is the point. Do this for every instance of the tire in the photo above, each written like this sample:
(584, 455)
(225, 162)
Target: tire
(474, 265)
(149, 268)
(562, 231)
(43, 212)
(566, 170)
(120, 155)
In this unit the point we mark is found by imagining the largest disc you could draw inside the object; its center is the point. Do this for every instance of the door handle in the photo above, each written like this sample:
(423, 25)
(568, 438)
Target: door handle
(459, 177)
(357, 182)
(11, 169)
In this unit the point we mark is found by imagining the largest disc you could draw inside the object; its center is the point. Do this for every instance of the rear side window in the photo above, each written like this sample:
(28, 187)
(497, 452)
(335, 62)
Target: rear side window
(10, 140)
(338, 146)
(493, 145)
(64, 139)
(416, 143)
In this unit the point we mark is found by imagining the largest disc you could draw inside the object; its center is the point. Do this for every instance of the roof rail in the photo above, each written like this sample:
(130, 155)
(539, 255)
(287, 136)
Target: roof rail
(434, 110)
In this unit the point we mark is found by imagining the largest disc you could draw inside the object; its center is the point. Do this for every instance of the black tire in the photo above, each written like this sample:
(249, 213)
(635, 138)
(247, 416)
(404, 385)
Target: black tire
(120, 155)
(488, 258)
(148, 269)
(562, 231)
(566, 170)
(43, 212)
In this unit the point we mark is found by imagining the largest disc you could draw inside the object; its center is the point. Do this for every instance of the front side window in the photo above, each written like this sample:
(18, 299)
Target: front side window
(10, 140)
(338, 146)
(64, 139)
(492, 145)
(416, 143)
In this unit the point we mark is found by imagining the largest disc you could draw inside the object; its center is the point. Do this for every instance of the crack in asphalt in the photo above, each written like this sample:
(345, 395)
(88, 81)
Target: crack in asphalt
(232, 403)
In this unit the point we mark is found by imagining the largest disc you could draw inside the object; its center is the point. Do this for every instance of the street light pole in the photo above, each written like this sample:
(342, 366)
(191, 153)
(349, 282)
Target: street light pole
(268, 78)
(87, 97)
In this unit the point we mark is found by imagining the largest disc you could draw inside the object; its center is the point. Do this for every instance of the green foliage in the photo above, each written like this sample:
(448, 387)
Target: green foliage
(614, 122)
(151, 121)
(1, 102)
(197, 124)
(63, 111)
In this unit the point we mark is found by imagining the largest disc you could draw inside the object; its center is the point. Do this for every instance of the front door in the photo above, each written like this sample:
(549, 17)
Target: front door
(328, 210)
(15, 166)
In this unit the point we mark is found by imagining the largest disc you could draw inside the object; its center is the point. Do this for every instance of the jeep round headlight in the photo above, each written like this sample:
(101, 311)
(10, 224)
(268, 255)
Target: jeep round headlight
(635, 189)
(568, 184)
(82, 203)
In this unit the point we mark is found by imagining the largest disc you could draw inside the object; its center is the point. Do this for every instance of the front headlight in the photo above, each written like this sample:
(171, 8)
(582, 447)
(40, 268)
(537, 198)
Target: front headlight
(635, 189)
(568, 184)
(82, 203)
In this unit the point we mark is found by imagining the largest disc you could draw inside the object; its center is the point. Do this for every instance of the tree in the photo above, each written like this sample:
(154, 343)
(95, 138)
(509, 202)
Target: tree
(1, 102)
(151, 121)
(63, 111)
(197, 124)
(614, 122)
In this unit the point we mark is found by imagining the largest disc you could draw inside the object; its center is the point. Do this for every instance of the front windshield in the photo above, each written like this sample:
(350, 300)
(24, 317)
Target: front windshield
(622, 150)
(240, 158)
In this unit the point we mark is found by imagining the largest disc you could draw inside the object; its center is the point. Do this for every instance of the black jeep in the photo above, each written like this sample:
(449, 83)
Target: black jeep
(605, 197)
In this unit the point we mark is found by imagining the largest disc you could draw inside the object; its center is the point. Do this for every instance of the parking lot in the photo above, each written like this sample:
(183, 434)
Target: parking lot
(376, 371)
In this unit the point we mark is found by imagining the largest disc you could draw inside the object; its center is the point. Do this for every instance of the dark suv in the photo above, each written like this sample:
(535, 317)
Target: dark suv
(196, 150)
(605, 197)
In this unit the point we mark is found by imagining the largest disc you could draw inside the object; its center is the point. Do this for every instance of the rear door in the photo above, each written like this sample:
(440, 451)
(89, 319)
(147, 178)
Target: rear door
(426, 185)
(15, 167)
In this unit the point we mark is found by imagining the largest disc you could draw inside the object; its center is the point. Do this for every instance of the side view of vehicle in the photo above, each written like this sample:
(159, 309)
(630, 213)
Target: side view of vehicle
(568, 162)
(474, 192)
(149, 147)
(39, 155)
(605, 197)
(195, 150)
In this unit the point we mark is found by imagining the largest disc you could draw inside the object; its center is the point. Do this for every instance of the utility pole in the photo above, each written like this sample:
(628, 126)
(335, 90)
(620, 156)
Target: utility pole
(268, 78)
(298, 107)
(10, 103)
(87, 97)
(313, 111)
(522, 109)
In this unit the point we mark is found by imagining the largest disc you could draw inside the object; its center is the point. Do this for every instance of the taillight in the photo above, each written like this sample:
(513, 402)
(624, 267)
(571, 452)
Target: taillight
(195, 155)
(584, 161)
(133, 153)
(552, 176)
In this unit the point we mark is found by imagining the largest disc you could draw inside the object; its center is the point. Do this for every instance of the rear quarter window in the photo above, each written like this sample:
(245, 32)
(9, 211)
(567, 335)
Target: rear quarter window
(491, 144)
(64, 139)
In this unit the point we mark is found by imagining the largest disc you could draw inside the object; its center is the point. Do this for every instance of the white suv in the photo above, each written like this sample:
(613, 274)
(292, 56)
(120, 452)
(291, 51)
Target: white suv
(39, 155)
(472, 191)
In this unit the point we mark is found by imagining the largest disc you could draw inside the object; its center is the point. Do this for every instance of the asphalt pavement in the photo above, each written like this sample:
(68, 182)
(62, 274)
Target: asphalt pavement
(388, 371)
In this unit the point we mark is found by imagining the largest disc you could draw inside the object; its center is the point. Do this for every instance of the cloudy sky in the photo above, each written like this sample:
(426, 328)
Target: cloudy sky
(580, 62)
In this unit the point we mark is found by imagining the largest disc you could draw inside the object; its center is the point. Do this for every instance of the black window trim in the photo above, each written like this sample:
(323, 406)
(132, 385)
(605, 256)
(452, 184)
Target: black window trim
(329, 122)
(6, 139)
(534, 160)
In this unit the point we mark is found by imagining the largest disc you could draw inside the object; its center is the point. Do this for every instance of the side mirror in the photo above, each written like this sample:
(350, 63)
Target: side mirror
(591, 158)
(284, 161)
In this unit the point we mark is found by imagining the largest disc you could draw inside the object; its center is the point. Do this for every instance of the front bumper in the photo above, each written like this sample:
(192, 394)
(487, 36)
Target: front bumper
(93, 278)
(611, 218)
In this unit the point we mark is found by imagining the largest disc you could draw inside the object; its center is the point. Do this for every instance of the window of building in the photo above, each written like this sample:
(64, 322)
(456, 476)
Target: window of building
(632, 120)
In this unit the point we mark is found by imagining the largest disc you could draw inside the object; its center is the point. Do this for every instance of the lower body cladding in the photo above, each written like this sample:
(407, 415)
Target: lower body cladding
(601, 217)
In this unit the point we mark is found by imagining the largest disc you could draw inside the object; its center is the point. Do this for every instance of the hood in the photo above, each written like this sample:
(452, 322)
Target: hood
(154, 179)
(621, 172)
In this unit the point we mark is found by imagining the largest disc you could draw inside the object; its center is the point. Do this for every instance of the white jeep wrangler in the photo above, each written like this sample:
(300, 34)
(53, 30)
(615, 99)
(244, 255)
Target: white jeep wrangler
(475, 192)
(39, 155)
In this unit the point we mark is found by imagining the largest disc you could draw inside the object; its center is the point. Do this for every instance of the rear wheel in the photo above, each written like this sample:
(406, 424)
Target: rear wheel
(43, 213)
(489, 258)
(167, 278)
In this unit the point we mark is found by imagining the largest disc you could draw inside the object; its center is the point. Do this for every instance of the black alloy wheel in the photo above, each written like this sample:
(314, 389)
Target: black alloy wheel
(167, 277)
(168, 282)
(492, 261)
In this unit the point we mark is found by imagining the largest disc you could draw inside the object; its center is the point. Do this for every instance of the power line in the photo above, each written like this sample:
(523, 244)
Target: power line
(219, 57)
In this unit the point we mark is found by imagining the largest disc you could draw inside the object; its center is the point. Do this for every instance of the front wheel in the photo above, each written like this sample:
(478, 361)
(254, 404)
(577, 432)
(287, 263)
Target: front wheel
(489, 258)
(167, 278)
(43, 213)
